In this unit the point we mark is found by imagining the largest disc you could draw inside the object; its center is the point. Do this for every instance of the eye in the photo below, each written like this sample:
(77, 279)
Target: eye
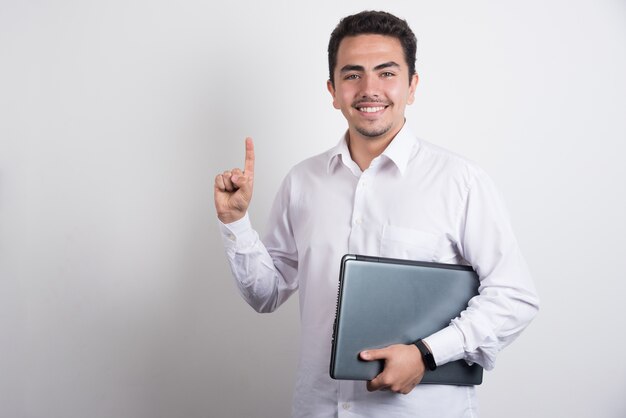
(387, 74)
(352, 77)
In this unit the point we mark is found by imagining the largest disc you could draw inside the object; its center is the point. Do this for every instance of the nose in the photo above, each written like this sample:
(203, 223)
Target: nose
(370, 86)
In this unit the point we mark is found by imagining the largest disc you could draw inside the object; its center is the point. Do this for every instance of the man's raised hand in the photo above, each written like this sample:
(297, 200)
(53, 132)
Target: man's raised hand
(233, 189)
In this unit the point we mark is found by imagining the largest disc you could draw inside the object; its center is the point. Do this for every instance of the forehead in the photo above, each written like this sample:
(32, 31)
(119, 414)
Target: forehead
(369, 50)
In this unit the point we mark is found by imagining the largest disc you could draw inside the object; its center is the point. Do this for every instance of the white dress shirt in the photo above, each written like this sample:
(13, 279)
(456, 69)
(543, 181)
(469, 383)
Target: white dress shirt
(415, 201)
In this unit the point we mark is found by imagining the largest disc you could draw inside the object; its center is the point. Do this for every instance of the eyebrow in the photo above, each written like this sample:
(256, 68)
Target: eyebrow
(386, 65)
(347, 68)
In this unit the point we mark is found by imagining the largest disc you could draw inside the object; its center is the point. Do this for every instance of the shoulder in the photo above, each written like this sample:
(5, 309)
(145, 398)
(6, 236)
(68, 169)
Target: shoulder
(448, 163)
(312, 167)
(437, 154)
(303, 175)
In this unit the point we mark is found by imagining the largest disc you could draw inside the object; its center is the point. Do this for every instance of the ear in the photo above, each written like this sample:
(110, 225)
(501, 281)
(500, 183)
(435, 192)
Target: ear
(412, 87)
(331, 90)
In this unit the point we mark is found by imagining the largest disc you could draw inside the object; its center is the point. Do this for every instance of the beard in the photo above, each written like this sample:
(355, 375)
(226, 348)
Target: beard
(374, 131)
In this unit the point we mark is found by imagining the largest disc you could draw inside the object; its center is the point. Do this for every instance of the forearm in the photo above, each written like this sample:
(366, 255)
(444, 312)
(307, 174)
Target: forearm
(263, 281)
(477, 336)
(507, 303)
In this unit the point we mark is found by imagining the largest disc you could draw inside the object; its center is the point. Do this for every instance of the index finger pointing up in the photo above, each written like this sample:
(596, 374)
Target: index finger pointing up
(249, 163)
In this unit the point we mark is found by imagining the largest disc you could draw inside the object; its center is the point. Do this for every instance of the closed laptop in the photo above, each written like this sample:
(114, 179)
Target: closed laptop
(384, 301)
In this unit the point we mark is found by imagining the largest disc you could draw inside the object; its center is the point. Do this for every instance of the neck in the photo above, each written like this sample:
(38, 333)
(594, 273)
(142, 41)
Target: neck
(364, 149)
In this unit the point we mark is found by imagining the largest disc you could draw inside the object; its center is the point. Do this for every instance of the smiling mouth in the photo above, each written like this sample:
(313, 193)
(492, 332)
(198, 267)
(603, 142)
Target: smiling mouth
(371, 109)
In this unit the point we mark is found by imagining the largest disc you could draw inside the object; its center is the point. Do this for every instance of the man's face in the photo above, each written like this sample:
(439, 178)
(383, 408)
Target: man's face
(372, 85)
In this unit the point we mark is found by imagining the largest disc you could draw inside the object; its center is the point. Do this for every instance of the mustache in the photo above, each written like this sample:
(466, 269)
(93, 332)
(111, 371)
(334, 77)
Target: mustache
(369, 100)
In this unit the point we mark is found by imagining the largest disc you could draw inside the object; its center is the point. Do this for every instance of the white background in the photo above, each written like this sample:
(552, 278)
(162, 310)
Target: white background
(115, 295)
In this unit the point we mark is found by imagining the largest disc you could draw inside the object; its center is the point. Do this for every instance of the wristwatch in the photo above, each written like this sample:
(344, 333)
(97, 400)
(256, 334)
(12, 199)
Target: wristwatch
(429, 360)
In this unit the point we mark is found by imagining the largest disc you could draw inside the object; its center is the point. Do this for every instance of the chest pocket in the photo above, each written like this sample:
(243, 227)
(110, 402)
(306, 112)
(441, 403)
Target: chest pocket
(407, 243)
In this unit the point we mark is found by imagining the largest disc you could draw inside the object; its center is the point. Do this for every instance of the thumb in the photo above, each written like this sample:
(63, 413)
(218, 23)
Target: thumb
(242, 180)
(370, 355)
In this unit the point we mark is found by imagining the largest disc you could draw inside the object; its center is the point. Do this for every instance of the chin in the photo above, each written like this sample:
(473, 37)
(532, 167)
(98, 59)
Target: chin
(373, 133)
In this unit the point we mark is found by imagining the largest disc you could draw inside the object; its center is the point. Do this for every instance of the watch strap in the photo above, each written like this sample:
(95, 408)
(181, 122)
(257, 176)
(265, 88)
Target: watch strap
(427, 356)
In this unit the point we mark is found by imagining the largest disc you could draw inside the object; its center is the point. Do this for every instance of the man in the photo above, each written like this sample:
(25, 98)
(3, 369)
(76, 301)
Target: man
(380, 191)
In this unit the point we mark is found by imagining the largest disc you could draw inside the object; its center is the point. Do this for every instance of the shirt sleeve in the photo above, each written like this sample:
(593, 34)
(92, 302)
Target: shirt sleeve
(265, 274)
(507, 300)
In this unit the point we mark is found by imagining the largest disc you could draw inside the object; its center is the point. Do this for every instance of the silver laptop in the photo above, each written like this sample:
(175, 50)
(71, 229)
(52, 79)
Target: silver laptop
(384, 301)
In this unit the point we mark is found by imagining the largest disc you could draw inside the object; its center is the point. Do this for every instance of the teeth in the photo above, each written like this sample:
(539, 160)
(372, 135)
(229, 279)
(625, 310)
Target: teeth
(371, 109)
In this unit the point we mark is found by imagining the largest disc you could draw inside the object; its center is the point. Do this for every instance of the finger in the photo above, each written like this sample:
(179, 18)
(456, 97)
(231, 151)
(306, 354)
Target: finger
(370, 355)
(376, 384)
(249, 163)
(237, 177)
(228, 184)
(219, 183)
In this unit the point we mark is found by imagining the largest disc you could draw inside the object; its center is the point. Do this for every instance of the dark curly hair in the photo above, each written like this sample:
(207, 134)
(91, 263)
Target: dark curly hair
(377, 23)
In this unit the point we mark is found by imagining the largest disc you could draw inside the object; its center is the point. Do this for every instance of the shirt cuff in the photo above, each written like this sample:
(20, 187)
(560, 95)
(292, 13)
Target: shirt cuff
(238, 234)
(446, 345)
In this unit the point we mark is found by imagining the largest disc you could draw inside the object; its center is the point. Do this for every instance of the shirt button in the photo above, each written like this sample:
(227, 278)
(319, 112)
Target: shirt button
(358, 221)
(346, 406)
(231, 237)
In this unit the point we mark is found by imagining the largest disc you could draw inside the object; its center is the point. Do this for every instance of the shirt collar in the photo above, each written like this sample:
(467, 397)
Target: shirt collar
(341, 154)
(399, 151)
(402, 148)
